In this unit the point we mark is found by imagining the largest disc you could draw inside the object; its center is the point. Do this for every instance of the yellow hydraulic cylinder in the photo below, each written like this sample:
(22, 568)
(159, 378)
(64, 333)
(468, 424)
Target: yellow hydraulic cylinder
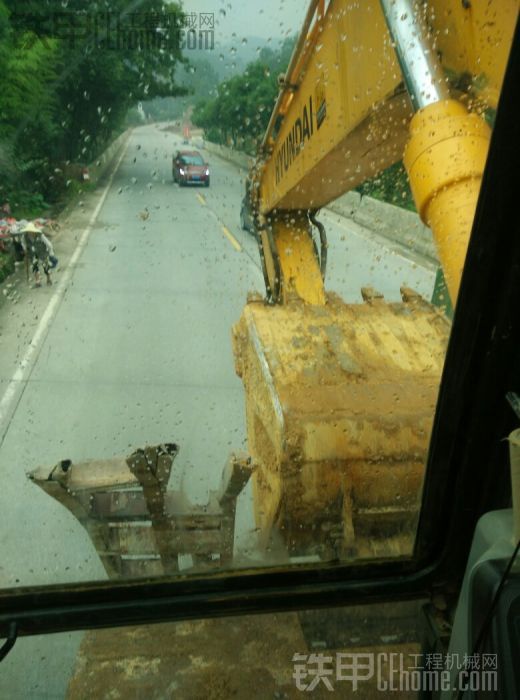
(445, 160)
(299, 265)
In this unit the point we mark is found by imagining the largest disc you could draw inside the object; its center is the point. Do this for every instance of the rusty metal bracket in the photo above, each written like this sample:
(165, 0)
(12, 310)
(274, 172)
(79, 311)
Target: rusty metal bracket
(138, 526)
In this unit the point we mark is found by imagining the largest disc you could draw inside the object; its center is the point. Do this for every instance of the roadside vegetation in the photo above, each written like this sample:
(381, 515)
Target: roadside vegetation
(199, 79)
(238, 115)
(391, 186)
(65, 92)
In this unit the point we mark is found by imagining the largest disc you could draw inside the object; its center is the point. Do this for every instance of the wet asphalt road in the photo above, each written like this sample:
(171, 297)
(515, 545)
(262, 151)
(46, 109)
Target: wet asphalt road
(132, 346)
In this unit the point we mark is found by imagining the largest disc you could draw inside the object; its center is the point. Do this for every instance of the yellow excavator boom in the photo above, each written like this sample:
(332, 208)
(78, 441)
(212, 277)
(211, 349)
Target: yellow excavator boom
(340, 398)
(358, 74)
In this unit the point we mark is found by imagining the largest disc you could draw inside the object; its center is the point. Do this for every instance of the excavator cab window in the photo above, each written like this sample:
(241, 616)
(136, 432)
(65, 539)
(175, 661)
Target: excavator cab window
(202, 422)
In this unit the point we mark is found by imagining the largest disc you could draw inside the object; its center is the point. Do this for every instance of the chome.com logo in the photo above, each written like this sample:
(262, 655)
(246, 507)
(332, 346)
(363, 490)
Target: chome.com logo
(391, 673)
(131, 31)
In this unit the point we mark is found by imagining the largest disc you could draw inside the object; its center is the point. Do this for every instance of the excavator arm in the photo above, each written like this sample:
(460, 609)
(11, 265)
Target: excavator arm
(340, 397)
(358, 74)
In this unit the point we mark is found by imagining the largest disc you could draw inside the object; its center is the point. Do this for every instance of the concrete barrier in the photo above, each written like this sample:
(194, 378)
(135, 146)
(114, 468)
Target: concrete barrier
(100, 166)
(96, 170)
(242, 160)
(387, 220)
(397, 224)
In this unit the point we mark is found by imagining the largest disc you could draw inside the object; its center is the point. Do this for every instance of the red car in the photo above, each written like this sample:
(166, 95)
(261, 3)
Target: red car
(189, 166)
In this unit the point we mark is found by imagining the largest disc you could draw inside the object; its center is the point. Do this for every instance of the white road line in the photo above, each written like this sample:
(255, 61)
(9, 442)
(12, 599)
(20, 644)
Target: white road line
(49, 313)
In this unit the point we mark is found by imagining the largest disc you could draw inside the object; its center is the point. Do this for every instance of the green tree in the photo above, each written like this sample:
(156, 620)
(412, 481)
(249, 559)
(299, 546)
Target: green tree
(66, 87)
(28, 105)
(239, 113)
(390, 185)
(198, 78)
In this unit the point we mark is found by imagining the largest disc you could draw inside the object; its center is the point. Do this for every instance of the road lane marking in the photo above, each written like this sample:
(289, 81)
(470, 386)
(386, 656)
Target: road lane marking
(49, 313)
(233, 240)
(227, 233)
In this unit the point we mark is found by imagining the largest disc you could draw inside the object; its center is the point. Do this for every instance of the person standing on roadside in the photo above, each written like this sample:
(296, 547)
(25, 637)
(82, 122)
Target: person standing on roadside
(38, 250)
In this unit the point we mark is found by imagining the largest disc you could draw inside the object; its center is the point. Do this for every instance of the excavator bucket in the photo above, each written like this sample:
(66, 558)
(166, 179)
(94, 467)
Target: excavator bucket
(340, 400)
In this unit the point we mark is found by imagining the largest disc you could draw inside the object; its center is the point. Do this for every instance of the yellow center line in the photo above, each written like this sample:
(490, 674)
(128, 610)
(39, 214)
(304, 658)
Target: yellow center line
(227, 233)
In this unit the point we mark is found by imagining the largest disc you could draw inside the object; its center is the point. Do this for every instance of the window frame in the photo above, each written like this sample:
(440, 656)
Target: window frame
(471, 421)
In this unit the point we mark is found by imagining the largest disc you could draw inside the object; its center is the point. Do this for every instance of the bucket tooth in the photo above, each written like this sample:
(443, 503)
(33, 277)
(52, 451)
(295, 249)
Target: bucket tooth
(409, 295)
